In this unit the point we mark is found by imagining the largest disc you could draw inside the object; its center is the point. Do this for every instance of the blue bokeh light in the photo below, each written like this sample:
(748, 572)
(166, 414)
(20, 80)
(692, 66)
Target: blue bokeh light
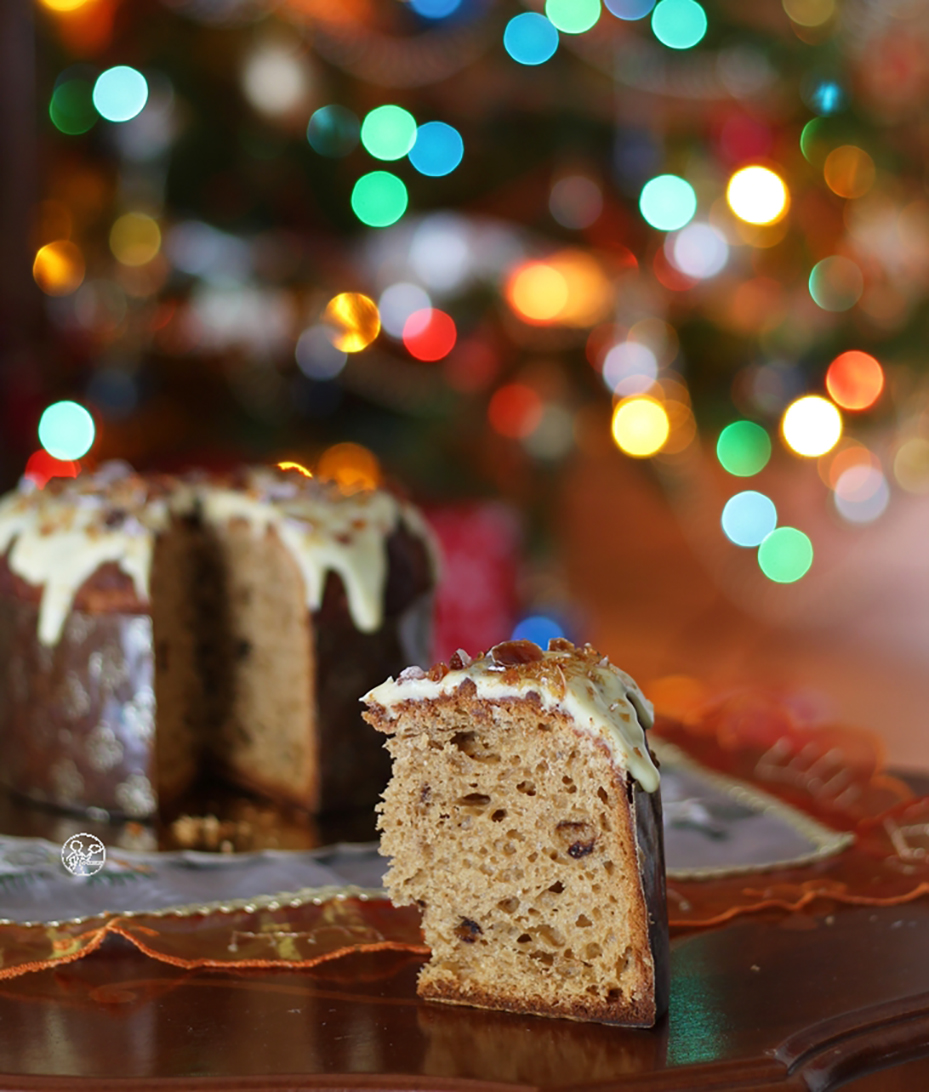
(435, 9)
(438, 149)
(537, 628)
(748, 518)
(629, 9)
(530, 38)
(333, 131)
(120, 93)
(679, 24)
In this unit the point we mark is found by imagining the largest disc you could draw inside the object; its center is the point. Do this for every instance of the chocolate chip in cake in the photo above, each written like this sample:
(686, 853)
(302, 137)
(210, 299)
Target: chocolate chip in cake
(577, 837)
(468, 930)
(243, 649)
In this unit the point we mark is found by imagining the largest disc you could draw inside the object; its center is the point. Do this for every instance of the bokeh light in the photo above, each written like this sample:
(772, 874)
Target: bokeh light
(679, 24)
(668, 202)
(316, 355)
(379, 199)
(276, 80)
(42, 467)
(71, 107)
(537, 292)
(64, 5)
(435, 9)
(640, 426)
(811, 425)
(630, 368)
(289, 464)
(743, 448)
(809, 13)
(429, 334)
(572, 16)
(698, 250)
(58, 268)
(757, 195)
(748, 518)
(855, 380)
(120, 93)
(629, 9)
(135, 238)
(824, 96)
(836, 283)
(66, 430)
(437, 150)
(849, 171)
(537, 628)
(333, 131)
(530, 38)
(861, 493)
(352, 467)
(846, 454)
(911, 465)
(354, 321)
(397, 302)
(515, 410)
(785, 555)
(576, 201)
(388, 132)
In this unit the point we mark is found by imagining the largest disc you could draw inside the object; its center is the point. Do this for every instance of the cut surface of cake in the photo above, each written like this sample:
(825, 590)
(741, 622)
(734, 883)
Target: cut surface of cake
(524, 818)
(154, 628)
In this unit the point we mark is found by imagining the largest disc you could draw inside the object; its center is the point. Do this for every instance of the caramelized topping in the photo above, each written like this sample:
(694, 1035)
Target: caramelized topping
(514, 653)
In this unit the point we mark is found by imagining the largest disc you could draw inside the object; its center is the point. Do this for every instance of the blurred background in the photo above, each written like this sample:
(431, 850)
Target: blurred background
(632, 297)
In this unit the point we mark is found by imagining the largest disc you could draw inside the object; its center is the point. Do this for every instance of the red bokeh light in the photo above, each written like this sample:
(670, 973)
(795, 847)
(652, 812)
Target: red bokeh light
(855, 380)
(42, 467)
(429, 334)
(515, 410)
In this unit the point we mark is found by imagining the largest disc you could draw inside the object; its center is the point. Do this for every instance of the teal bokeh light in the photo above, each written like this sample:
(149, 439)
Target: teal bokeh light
(66, 430)
(120, 93)
(668, 202)
(679, 24)
(530, 38)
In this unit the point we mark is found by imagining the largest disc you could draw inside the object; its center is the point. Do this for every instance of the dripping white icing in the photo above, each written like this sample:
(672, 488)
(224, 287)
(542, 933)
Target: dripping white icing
(597, 696)
(57, 540)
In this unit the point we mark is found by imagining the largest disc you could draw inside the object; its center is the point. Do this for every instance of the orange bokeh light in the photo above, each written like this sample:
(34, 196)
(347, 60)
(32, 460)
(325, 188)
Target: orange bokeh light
(855, 380)
(515, 410)
(58, 268)
(352, 467)
(295, 466)
(537, 292)
(42, 467)
(849, 171)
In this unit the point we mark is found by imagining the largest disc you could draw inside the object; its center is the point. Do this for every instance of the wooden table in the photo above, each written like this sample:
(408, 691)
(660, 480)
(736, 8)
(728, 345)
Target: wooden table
(768, 1002)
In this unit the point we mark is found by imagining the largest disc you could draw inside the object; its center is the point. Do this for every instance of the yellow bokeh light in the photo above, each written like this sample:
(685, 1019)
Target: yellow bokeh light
(287, 465)
(849, 171)
(757, 195)
(352, 467)
(65, 5)
(353, 320)
(538, 292)
(58, 268)
(811, 425)
(640, 426)
(809, 13)
(589, 291)
(135, 239)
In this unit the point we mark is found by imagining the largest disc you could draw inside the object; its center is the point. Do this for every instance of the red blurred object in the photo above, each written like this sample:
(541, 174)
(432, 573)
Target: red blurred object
(429, 334)
(476, 604)
(744, 138)
(42, 467)
(515, 410)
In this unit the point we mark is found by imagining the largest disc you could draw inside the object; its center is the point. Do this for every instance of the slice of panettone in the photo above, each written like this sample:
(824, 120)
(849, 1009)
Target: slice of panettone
(524, 818)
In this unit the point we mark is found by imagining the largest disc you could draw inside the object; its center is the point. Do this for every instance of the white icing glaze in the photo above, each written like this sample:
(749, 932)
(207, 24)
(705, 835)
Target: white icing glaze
(597, 696)
(57, 538)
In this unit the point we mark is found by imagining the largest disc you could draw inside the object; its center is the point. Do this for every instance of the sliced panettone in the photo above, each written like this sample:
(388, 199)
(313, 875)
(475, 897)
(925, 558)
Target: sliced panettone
(524, 818)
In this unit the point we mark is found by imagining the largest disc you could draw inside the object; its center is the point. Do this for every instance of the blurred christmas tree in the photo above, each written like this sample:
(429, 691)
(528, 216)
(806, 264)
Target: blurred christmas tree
(472, 237)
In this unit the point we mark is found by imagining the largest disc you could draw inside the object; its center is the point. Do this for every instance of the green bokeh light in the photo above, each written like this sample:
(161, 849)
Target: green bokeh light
(388, 132)
(836, 283)
(668, 202)
(379, 199)
(743, 448)
(679, 24)
(785, 555)
(572, 16)
(72, 107)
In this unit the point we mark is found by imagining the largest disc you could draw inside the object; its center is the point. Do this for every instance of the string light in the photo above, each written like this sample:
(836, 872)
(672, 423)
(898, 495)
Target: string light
(537, 628)
(388, 132)
(354, 321)
(379, 199)
(352, 467)
(276, 80)
(120, 93)
(435, 9)
(861, 494)
(640, 426)
(58, 268)
(316, 355)
(71, 107)
(679, 24)
(811, 425)
(698, 250)
(629, 9)
(515, 410)
(530, 38)
(66, 430)
(757, 195)
(855, 380)
(743, 448)
(785, 555)
(398, 302)
(667, 202)
(64, 5)
(849, 171)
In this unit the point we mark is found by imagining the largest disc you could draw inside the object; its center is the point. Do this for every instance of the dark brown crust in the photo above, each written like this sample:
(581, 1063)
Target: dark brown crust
(649, 845)
(108, 589)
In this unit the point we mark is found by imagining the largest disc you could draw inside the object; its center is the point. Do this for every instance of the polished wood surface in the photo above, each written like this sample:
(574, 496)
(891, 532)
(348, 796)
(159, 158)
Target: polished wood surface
(788, 1002)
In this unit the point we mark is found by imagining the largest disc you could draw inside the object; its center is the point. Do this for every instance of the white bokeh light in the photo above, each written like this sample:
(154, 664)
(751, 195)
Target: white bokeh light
(398, 302)
(698, 250)
(630, 368)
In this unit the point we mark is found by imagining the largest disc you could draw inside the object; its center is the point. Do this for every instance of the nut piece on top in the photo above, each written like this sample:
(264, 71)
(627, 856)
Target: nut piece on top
(524, 818)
